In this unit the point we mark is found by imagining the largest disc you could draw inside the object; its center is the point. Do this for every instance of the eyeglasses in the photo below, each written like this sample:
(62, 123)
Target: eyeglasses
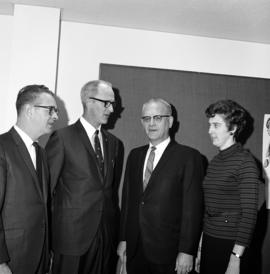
(107, 103)
(52, 109)
(156, 118)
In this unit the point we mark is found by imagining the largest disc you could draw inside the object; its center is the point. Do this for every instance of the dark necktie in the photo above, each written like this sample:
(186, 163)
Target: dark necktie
(149, 167)
(99, 153)
(38, 162)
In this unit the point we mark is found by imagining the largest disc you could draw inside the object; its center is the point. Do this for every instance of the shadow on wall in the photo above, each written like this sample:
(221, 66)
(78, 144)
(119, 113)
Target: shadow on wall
(248, 130)
(176, 127)
(62, 121)
(116, 112)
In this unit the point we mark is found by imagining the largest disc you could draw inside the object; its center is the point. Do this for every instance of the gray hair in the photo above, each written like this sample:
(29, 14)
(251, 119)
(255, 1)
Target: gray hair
(91, 89)
(159, 100)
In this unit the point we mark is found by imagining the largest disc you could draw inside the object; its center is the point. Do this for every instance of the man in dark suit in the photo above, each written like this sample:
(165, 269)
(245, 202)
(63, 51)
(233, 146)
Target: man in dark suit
(83, 161)
(24, 184)
(162, 199)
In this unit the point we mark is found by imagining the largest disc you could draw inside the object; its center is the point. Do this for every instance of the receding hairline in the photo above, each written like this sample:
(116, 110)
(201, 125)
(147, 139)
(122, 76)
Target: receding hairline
(91, 87)
(167, 105)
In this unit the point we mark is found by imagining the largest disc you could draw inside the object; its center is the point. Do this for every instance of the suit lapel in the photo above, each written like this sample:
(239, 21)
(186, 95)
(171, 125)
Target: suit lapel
(107, 151)
(45, 176)
(141, 161)
(162, 161)
(87, 144)
(26, 157)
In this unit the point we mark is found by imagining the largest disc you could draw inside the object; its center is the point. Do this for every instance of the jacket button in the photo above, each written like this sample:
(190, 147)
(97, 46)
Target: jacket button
(142, 203)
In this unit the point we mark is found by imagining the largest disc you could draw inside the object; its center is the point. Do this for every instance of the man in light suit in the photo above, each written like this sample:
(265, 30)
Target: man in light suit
(83, 160)
(162, 199)
(24, 184)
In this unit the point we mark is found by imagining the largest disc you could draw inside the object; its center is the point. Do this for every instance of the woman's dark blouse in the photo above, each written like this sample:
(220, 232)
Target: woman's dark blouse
(231, 195)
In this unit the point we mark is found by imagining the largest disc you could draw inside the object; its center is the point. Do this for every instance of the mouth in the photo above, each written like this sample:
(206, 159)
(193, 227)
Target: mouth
(51, 124)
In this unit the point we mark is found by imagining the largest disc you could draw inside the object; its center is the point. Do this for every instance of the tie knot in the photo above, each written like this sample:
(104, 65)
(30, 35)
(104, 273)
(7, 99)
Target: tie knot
(153, 148)
(96, 132)
(35, 144)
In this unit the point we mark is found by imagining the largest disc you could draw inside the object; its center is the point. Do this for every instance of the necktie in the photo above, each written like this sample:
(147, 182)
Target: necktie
(38, 162)
(149, 167)
(99, 153)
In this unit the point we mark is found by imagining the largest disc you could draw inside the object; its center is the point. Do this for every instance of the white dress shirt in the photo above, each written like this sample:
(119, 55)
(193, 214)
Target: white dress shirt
(28, 143)
(160, 148)
(90, 130)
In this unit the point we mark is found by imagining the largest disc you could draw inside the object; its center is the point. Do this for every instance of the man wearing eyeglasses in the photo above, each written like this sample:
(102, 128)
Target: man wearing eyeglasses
(84, 160)
(24, 180)
(162, 200)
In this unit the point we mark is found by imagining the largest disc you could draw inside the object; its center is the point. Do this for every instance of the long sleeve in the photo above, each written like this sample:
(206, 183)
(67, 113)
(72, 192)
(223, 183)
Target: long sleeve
(4, 257)
(231, 195)
(55, 155)
(192, 210)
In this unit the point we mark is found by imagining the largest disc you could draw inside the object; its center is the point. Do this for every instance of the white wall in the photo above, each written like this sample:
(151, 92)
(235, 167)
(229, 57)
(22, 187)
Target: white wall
(6, 24)
(30, 40)
(83, 47)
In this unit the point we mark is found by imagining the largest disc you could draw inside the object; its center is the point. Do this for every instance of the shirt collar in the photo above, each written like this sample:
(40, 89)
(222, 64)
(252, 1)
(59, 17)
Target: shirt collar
(26, 139)
(90, 130)
(162, 145)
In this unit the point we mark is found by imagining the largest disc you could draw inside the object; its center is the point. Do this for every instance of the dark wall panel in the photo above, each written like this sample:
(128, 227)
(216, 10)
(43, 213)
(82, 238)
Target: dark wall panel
(190, 93)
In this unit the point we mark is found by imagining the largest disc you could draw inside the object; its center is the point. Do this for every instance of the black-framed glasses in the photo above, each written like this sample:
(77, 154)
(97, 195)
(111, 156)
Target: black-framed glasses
(52, 109)
(107, 103)
(156, 118)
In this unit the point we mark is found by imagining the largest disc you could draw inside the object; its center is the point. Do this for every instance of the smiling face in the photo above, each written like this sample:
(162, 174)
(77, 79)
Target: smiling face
(157, 130)
(219, 132)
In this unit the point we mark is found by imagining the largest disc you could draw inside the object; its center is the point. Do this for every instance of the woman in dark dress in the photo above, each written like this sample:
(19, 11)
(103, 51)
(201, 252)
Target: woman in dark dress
(230, 192)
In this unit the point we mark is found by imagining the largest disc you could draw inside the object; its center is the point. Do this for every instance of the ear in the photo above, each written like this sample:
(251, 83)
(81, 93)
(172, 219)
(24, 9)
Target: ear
(233, 130)
(28, 109)
(170, 121)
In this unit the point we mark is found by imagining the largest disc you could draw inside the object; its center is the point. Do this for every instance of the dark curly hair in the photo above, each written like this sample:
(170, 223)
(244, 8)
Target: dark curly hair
(234, 115)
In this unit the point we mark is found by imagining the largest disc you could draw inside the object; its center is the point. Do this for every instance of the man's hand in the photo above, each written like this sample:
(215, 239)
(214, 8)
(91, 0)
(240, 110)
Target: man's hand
(121, 251)
(4, 269)
(184, 263)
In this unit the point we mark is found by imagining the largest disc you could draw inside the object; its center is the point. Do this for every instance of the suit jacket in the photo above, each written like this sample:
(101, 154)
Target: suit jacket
(168, 214)
(23, 203)
(80, 194)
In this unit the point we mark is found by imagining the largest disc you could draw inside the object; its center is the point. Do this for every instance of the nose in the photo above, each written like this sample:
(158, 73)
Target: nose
(55, 116)
(152, 121)
(111, 108)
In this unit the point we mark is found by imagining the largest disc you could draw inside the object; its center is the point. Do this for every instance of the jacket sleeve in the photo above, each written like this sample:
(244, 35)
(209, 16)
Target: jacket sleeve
(55, 155)
(4, 257)
(124, 203)
(192, 209)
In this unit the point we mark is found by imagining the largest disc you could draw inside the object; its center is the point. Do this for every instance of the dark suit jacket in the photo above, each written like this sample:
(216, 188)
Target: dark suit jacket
(80, 194)
(168, 214)
(23, 220)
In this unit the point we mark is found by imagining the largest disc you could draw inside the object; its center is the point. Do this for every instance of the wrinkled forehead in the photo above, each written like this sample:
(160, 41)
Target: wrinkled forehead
(45, 98)
(105, 92)
(154, 108)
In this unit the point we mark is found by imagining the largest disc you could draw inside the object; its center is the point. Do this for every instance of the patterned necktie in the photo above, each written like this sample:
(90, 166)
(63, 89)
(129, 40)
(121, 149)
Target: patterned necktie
(149, 167)
(99, 153)
(38, 162)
